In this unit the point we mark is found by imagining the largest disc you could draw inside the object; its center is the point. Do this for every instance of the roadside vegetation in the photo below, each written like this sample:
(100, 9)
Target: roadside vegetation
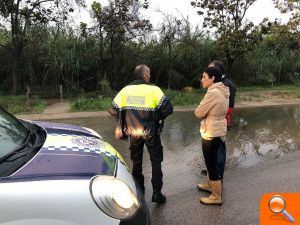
(191, 97)
(178, 98)
(90, 104)
(185, 98)
(18, 104)
(99, 57)
(188, 96)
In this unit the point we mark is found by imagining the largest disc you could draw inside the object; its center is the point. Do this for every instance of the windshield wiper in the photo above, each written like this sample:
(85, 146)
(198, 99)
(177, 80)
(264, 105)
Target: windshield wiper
(21, 151)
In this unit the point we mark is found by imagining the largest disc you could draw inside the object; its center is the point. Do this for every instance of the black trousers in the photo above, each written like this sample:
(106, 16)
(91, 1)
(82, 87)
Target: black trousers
(155, 150)
(221, 155)
(210, 150)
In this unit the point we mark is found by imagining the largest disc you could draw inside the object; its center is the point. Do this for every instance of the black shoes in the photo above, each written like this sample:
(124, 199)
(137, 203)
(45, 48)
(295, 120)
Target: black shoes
(158, 197)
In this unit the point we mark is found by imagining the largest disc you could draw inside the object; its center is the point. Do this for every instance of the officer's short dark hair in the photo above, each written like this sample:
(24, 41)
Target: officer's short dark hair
(217, 64)
(140, 70)
(214, 72)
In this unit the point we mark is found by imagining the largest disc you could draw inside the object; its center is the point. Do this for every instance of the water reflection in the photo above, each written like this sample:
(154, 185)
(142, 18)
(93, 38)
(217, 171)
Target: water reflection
(257, 134)
(262, 134)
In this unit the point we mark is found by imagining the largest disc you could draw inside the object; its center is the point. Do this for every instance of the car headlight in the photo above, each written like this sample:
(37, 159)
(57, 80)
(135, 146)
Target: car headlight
(114, 197)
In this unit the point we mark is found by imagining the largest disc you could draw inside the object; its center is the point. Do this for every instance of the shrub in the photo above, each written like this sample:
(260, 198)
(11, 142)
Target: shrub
(17, 104)
(184, 99)
(91, 104)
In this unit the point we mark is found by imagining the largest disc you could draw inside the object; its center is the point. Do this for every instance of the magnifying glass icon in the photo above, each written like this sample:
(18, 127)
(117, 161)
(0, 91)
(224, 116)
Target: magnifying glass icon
(277, 205)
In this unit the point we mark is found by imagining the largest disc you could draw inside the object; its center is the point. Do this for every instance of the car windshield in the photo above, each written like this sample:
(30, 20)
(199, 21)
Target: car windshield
(12, 133)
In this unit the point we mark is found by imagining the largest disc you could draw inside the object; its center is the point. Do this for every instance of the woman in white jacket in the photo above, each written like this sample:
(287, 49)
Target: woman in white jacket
(212, 110)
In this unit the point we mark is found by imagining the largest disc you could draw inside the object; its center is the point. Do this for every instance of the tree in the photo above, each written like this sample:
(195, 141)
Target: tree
(286, 6)
(293, 8)
(170, 32)
(283, 41)
(18, 15)
(235, 36)
(119, 23)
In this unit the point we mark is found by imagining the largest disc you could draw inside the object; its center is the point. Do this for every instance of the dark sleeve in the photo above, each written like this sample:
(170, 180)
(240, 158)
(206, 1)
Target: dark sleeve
(232, 90)
(232, 96)
(165, 109)
(114, 112)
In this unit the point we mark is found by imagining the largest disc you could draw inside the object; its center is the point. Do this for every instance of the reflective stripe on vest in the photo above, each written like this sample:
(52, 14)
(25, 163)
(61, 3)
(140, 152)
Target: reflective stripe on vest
(140, 97)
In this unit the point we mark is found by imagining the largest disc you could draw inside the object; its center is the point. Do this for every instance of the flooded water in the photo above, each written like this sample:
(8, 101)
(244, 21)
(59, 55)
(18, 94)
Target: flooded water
(257, 134)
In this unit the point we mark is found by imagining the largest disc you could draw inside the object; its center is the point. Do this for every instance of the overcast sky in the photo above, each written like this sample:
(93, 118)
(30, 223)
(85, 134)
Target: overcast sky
(259, 10)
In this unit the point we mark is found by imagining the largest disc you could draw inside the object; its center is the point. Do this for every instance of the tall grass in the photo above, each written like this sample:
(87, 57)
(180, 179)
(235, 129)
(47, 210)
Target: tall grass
(17, 104)
(184, 99)
(90, 104)
(177, 98)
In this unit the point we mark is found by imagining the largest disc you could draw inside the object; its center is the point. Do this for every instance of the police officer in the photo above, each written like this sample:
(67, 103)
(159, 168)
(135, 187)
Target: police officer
(140, 109)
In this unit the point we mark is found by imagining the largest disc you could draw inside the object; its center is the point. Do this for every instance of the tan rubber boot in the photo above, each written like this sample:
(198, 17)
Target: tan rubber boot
(216, 195)
(205, 187)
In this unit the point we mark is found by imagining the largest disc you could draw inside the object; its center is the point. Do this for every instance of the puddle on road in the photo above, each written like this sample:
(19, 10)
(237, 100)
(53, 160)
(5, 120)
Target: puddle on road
(257, 134)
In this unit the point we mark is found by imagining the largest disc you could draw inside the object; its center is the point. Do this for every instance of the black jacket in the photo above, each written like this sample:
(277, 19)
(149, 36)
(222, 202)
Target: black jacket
(228, 83)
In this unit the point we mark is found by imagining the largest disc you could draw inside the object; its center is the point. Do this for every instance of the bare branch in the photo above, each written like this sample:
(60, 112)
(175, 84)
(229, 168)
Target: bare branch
(35, 5)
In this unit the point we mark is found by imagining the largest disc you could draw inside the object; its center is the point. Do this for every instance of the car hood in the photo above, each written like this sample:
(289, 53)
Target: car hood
(70, 151)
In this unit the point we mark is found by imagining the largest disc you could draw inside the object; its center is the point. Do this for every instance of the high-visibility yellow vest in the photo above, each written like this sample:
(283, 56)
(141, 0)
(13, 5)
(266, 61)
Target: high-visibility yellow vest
(140, 97)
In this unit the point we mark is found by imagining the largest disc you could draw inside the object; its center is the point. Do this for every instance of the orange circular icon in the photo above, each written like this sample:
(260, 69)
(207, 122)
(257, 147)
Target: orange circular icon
(277, 204)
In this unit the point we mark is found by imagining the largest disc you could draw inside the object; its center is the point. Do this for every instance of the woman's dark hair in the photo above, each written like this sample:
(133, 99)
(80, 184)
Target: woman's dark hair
(218, 64)
(214, 72)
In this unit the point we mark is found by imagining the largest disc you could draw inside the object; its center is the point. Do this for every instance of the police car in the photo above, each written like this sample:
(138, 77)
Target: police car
(58, 174)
